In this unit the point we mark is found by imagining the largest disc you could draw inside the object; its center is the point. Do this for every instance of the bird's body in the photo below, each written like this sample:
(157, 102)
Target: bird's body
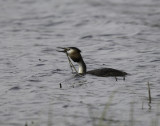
(107, 72)
(74, 54)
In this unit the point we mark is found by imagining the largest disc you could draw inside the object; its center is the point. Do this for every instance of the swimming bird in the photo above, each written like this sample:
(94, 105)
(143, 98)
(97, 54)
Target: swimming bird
(75, 54)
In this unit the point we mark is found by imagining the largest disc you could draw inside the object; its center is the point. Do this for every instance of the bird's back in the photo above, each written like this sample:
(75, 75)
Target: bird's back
(107, 72)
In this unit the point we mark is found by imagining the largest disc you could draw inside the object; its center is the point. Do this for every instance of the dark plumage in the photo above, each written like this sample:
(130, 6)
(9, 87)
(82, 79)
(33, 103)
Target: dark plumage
(107, 72)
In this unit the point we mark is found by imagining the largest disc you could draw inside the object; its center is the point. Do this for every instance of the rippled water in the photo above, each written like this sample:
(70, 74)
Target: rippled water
(121, 34)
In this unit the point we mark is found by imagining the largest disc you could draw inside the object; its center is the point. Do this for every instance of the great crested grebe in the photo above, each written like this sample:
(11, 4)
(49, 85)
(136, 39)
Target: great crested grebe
(74, 54)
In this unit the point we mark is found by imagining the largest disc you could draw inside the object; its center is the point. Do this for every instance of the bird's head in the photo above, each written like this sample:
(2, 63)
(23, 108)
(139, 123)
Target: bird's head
(72, 52)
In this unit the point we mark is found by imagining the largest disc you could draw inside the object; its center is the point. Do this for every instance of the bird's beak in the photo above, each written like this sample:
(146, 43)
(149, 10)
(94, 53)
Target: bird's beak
(63, 49)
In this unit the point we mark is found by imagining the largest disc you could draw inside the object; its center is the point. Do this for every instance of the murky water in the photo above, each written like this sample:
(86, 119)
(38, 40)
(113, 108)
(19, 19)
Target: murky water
(121, 34)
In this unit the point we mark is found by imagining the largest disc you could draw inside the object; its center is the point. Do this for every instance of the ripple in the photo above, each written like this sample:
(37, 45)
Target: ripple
(50, 24)
(56, 71)
(87, 37)
(40, 64)
(34, 80)
(15, 88)
(48, 50)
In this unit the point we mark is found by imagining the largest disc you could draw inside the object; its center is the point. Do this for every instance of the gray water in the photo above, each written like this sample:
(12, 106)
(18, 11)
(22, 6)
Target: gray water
(121, 34)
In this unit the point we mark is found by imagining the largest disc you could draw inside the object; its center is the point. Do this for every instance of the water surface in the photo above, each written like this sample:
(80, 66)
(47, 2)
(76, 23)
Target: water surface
(121, 34)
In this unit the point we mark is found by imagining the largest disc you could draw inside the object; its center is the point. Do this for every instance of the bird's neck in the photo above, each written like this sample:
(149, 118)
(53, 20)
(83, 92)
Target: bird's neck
(82, 67)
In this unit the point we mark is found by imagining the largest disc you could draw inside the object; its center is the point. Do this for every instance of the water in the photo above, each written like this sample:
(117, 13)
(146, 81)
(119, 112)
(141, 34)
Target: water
(121, 34)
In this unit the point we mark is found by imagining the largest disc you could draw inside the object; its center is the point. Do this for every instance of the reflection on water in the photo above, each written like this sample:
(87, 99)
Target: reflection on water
(118, 34)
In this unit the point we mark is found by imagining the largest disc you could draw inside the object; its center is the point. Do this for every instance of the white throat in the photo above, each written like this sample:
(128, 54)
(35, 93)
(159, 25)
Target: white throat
(82, 67)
